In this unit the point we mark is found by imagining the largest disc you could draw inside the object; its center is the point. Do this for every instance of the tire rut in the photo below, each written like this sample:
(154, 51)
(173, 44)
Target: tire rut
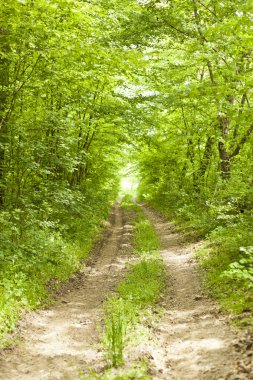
(195, 341)
(63, 338)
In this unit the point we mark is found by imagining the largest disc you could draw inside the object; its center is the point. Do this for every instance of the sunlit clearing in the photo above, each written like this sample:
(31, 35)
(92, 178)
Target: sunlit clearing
(128, 185)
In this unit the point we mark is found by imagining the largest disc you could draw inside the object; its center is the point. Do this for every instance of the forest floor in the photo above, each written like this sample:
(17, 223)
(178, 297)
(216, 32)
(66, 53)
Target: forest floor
(194, 339)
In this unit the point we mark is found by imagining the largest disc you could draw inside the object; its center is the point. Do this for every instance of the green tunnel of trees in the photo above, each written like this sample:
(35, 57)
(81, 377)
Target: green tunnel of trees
(86, 87)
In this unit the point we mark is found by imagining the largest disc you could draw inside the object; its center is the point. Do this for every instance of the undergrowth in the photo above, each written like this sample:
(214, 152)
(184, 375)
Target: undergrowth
(227, 269)
(226, 258)
(34, 265)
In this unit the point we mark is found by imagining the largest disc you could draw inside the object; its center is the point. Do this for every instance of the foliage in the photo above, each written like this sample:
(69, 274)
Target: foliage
(80, 81)
(242, 270)
(62, 126)
(31, 269)
(194, 133)
(225, 277)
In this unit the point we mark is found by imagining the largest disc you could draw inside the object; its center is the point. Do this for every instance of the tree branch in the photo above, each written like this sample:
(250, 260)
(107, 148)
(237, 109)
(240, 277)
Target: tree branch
(242, 142)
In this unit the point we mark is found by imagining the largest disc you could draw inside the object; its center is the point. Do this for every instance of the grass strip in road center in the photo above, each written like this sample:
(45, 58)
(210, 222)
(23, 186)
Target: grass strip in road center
(135, 300)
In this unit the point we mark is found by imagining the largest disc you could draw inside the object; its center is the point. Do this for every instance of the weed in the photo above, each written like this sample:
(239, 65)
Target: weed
(128, 205)
(119, 316)
(137, 371)
(134, 294)
(137, 289)
(145, 238)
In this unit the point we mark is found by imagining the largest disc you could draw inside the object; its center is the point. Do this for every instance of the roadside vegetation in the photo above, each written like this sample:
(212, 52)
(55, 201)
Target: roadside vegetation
(34, 267)
(225, 257)
(195, 161)
(134, 305)
(59, 155)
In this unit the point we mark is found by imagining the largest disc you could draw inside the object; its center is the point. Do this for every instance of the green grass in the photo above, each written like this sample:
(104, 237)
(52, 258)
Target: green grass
(125, 310)
(137, 371)
(145, 238)
(121, 315)
(135, 298)
(136, 289)
(128, 205)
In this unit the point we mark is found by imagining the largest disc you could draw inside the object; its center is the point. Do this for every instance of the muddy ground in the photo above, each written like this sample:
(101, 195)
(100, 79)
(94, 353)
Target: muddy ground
(192, 341)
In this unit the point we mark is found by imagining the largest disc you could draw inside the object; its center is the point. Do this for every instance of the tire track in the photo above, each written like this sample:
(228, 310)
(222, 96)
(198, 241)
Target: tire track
(195, 341)
(64, 338)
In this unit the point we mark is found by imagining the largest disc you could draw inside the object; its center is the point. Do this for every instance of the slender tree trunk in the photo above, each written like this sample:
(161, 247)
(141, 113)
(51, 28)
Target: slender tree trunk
(206, 158)
(4, 86)
(225, 158)
(225, 161)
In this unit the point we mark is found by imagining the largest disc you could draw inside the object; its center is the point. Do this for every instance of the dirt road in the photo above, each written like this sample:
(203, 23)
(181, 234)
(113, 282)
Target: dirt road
(192, 341)
(64, 338)
(195, 341)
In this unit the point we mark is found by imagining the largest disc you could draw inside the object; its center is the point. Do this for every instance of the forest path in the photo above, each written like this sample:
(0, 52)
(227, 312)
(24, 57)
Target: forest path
(192, 340)
(195, 341)
(64, 338)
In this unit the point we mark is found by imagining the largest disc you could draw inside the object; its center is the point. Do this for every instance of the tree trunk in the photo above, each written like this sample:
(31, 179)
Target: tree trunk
(225, 158)
(206, 157)
(4, 86)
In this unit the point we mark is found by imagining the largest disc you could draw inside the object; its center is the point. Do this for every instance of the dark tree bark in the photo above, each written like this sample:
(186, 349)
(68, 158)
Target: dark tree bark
(206, 157)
